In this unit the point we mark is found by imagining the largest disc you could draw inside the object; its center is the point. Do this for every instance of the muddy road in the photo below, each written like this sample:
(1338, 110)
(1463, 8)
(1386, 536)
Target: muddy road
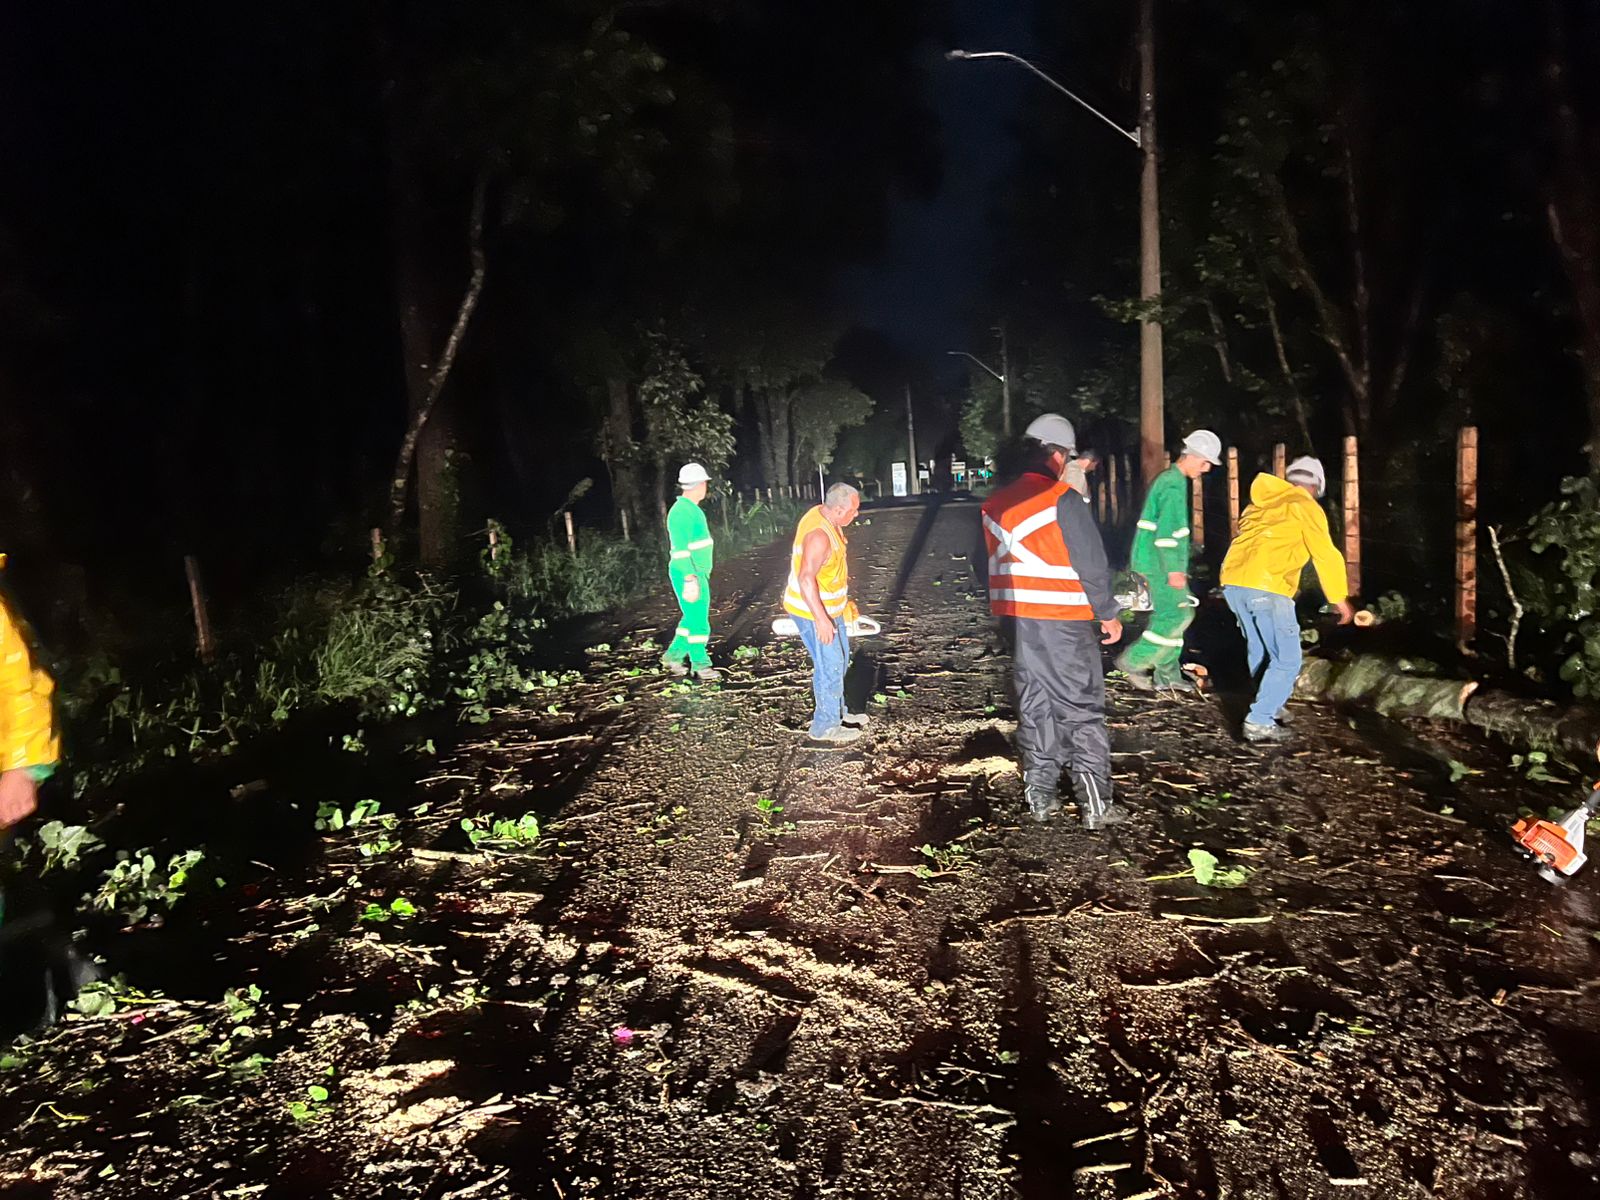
(736, 967)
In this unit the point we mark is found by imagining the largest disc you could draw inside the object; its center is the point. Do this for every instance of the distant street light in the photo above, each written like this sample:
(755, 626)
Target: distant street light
(980, 362)
(1152, 417)
(1131, 134)
(1003, 375)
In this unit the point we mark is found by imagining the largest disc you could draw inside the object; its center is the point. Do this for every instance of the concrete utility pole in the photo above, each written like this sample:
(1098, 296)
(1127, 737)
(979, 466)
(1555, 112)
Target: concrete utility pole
(1152, 404)
(1005, 383)
(1152, 390)
(913, 482)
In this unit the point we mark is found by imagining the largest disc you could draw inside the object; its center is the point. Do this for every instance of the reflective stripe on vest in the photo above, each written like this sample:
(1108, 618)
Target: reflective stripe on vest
(833, 576)
(1030, 571)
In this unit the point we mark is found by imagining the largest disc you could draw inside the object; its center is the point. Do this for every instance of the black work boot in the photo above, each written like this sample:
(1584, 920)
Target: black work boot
(1044, 800)
(1095, 807)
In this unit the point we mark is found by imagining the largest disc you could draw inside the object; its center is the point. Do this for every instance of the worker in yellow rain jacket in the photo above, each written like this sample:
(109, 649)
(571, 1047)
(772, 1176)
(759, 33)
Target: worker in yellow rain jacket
(817, 596)
(28, 743)
(1282, 529)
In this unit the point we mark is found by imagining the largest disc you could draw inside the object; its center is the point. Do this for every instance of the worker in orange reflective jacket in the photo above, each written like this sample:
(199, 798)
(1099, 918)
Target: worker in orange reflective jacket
(1048, 573)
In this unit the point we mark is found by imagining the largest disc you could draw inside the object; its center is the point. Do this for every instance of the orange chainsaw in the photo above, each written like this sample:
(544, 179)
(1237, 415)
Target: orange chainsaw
(1557, 846)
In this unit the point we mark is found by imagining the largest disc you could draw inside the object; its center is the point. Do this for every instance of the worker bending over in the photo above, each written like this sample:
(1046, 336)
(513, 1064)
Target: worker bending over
(817, 596)
(29, 747)
(1282, 528)
(689, 568)
(1161, 554)
(1048, 573)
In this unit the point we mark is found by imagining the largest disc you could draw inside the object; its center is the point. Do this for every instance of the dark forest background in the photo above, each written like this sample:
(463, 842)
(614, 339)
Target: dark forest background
(235, 240)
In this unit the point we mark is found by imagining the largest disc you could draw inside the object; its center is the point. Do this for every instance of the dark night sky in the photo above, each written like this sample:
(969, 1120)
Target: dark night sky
(926, 291)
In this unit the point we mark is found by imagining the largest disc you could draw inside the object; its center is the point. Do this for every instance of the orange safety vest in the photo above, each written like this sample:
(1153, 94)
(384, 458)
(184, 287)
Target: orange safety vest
(833, 577)
(1030, 571)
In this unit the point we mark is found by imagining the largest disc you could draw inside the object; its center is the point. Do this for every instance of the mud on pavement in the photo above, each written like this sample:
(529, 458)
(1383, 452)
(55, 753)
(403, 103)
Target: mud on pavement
(734, 966)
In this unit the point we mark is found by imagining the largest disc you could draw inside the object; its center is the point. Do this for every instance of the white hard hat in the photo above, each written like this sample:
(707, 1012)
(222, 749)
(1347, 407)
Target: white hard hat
(692, 474)
(1308, 470)
(1202, 443)
(1053, 430)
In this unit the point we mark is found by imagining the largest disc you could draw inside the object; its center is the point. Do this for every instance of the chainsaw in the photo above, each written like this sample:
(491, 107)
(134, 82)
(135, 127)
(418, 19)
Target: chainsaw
(857, 627)
(1557, 846)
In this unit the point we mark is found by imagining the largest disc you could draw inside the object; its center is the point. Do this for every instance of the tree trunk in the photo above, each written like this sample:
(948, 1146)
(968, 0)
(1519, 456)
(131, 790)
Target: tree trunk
(618, 450)
(1379, 683)
(436, 490)
(1541, 723)
(772, 430)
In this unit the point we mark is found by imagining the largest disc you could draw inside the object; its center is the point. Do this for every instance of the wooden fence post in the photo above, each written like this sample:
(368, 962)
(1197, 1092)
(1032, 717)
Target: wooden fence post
(205, 644)
(494, 542)
(572, 535)
(1233, 492)
(1466, 535)
(1280, 460)
(1111, 488)
(1197, 514)
(627, 536)
(377, 545)
(1352, 513)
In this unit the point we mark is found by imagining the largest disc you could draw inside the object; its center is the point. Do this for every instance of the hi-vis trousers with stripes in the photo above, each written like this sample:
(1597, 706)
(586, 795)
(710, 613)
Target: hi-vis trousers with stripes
(1160, 647)
(694, 627)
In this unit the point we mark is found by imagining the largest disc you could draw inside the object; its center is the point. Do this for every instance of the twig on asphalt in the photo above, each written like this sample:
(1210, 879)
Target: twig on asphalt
(921, 1102)
(1104, 1138)
(1173, 985)
(599, 812)
(1171, 916)
(475, 1188)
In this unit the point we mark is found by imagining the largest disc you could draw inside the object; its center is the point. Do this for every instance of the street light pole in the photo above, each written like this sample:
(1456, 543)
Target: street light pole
(914, 482)
(1152, 385)
(1003, 375)
(1005, 383)
(1152, 416)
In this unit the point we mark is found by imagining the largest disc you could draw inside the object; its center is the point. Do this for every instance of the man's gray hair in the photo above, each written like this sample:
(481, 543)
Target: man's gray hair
(838, 497)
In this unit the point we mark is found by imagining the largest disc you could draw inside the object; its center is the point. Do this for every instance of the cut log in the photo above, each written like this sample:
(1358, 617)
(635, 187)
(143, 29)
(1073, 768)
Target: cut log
(1543, 724)
(1384, 685)
(1380, 683)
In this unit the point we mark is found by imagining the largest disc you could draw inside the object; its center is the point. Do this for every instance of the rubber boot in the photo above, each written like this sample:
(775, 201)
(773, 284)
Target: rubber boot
(1044, 799)
(1096, 809)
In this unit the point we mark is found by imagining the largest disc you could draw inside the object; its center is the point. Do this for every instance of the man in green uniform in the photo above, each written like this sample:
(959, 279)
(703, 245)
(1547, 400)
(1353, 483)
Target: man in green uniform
(1161, 555)
(689, 568)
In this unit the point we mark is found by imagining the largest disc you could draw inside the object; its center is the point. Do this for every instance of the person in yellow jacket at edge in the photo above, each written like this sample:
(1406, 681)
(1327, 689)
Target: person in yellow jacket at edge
(1282, 529)
(689, 562)
(29, 746)
(817, 596)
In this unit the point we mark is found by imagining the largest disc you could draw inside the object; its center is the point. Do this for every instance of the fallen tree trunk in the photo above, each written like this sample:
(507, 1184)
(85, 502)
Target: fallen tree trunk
(1384, 685)
(1574, 729)
(1381, 684)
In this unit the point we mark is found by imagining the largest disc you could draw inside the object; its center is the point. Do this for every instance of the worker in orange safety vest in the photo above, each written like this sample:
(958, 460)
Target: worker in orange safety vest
(1048, 575)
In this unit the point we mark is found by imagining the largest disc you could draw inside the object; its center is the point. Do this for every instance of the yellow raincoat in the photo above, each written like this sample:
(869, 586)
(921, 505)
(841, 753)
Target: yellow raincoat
(1280, 531)
(27, 718)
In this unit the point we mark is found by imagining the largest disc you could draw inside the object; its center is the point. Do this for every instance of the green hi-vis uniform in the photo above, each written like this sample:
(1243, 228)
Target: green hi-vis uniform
(1161, 548)
(691, 556)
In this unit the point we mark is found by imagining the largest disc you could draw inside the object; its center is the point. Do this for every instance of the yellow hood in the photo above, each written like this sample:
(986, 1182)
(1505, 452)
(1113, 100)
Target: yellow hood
(1282, 530)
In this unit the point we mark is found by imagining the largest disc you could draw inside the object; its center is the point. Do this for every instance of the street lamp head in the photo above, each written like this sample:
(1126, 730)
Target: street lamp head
(955, 54)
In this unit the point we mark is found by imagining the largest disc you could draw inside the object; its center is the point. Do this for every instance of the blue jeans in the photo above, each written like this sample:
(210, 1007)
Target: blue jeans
(1271, 636)
(828, 665)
